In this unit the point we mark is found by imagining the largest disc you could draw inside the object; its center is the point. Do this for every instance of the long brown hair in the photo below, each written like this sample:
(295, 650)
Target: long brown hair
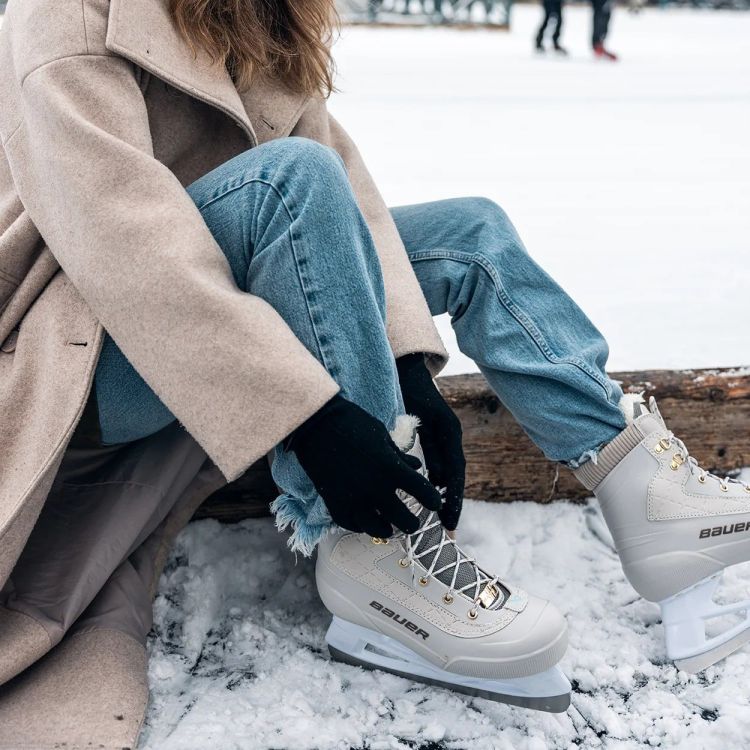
(286, 39)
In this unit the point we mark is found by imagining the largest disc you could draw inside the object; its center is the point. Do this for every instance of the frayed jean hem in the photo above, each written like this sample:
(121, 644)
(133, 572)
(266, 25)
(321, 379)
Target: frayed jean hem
(308, 524)
(585, 457)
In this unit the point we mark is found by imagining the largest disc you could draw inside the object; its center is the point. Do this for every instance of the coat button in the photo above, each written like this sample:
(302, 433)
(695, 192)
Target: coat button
(9, 345)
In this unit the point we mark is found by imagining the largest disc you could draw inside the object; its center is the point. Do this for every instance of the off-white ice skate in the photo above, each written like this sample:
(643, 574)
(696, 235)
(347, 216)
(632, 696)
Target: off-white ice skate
(676, 527)
(417, 606)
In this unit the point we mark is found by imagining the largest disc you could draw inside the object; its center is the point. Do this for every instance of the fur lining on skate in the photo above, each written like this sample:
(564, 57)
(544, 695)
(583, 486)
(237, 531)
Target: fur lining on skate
(628, 403)
(404, 431)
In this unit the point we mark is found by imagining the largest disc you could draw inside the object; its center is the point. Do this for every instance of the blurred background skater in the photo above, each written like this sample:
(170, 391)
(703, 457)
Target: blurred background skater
(552, 9)
(373, 8)
(602, 14)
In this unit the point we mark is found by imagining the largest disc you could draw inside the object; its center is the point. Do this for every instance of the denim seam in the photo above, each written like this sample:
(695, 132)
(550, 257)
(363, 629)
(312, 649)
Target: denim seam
(300, 263)
(229, 188)
(521, 317)
(232, 186)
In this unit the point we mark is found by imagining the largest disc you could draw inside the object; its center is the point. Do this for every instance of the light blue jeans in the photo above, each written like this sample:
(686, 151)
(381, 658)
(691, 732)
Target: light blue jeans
(287, 220)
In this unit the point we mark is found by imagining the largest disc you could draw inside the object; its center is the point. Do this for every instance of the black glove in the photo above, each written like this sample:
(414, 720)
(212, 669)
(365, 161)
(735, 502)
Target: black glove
(440, 434)
(357, 468)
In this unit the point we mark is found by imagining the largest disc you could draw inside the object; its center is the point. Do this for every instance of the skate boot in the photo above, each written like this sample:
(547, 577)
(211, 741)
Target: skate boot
(419, 607)
(675, 527)
(560, 50)
(601, 53)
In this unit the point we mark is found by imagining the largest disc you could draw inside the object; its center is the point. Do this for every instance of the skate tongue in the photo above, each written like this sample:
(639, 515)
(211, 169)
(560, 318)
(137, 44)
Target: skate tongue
(650, 420)
(633, 406)
(431, 532)
(654, 409)
(429, 536)
(639, 409)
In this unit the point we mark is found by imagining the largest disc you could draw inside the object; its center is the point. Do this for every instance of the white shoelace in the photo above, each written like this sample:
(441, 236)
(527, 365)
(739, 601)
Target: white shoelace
(702, 474)
(481, 579)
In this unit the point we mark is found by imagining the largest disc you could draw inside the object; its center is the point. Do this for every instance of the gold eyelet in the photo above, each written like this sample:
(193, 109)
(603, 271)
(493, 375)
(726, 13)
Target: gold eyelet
(404, 562)
(677, 461)
(473, 614)
(702, 480)
(423, 581)
(747, 488)
(378, 540)
(448, 599)
(664, 443)
(724, 488)
(658, 448)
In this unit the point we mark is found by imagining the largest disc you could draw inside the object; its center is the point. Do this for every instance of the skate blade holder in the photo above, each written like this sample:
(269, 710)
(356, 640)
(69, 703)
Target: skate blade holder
(362, 647)
(684, 617)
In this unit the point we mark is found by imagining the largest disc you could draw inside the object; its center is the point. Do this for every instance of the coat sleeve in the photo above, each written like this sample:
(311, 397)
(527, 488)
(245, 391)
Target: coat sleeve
(136, 248)
(409, 322)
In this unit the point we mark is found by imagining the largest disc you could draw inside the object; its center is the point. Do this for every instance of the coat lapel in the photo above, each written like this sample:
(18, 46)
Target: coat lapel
(273, 109)
(142, 31)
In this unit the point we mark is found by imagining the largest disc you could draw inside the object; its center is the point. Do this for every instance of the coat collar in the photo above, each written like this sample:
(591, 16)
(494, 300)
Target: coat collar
(143, 32)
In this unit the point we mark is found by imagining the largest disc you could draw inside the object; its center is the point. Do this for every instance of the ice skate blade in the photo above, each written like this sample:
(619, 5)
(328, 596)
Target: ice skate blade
(699, 662)
(361, 647)
(684, 616)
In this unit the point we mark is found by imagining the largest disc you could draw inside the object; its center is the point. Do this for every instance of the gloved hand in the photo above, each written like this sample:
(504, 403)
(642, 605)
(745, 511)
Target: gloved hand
(440, 434)
(357, 468)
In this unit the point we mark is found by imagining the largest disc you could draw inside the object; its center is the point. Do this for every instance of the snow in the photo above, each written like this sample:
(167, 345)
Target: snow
(628, 182)
(238, 660)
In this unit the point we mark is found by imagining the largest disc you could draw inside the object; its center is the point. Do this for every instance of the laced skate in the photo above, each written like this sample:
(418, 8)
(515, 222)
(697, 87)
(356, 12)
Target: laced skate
(419, 607)
(676, 527)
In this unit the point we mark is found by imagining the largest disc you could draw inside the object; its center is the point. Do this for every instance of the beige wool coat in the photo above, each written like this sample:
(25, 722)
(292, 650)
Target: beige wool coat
(105, 116)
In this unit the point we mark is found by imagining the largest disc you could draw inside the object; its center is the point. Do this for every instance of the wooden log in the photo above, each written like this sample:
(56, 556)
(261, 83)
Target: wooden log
(708, 409)
(247, 497)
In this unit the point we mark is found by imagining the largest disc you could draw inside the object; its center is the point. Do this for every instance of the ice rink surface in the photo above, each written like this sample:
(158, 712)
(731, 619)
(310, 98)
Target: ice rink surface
(630, 183)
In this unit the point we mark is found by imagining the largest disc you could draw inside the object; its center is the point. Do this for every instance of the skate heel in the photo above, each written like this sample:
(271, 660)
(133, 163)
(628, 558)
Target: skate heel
(361, 647)
(684, 616)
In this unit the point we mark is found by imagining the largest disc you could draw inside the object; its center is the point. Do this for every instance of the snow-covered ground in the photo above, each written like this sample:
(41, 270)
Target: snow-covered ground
(629, 182)
(239, 662)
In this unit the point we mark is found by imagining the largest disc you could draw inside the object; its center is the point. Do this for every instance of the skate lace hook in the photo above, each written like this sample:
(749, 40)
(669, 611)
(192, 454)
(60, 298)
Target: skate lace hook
(694, 466)
(411, 544)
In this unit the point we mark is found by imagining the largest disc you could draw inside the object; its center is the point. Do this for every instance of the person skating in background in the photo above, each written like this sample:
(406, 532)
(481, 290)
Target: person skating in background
(373, 8)
(552, 9)
(602, 14)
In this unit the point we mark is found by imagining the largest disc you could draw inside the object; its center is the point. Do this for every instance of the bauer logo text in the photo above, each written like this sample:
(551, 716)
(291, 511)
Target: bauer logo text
(732, 528)
(400, 620)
